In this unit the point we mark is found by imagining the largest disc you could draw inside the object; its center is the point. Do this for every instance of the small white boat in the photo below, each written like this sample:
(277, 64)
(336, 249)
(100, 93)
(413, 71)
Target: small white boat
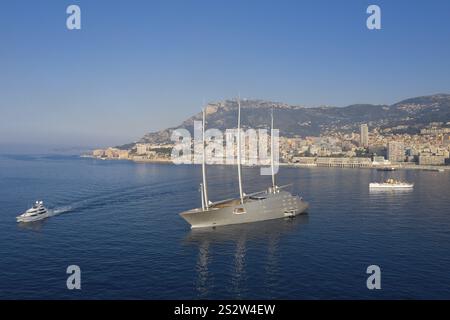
(37, 212)
(391, 184)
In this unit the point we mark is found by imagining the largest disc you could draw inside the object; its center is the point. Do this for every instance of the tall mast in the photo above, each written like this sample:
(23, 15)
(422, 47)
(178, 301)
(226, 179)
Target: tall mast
(205, 188)
(202, 195)
(239, 151)
(271, 152)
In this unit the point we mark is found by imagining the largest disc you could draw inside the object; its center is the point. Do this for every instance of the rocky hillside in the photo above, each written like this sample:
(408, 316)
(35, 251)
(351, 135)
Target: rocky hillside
(300, 121)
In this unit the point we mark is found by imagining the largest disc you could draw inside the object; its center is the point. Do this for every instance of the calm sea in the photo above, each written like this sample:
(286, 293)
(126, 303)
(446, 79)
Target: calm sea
(118, 221)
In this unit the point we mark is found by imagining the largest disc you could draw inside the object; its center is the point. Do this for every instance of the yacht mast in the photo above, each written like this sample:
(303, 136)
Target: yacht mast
(205, 188)
(202, 195)
(272, 152)
(239, 152)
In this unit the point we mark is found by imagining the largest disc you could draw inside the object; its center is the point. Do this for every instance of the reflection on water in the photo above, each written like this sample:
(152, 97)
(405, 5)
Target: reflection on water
(390, 191)
(33, 226)
(389, 200)
(248, 231)
(390, 195)
(202, 269)
(238, 276)
(267, 233)
(272, 266)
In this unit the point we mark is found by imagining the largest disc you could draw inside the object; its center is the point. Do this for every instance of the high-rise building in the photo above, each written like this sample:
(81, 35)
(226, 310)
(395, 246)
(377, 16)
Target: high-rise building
(364, 136)
(396, 151)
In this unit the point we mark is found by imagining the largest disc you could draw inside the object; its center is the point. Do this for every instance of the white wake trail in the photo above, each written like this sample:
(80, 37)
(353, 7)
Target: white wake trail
(59, 210)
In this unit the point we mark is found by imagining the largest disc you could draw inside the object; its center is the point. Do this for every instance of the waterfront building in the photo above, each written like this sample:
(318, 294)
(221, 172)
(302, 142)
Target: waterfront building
(344, 162)
(431, 160)
(307, 161)
(380, 161)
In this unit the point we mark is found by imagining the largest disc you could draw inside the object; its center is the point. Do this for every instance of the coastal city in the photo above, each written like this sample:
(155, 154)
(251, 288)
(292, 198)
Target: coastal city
(370, 147)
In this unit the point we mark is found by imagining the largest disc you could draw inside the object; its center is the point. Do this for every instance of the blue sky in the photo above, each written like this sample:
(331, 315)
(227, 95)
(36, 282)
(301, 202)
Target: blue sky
(139, 66)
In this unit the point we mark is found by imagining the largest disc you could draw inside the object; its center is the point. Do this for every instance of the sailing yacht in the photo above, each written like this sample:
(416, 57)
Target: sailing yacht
(273, 203)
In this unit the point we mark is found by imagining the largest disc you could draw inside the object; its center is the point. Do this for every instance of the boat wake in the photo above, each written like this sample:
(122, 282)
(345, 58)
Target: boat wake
(103, 198)
(59, 210)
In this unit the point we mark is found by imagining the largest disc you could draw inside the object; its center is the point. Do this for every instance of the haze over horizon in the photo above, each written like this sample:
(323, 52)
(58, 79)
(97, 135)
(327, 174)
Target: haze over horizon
(142, 66)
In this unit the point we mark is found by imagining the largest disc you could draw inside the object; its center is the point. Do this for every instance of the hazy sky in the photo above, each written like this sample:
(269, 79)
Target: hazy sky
(139, 66)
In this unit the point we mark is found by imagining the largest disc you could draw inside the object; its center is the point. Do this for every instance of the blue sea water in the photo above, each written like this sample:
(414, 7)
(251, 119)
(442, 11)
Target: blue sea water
(118, 221)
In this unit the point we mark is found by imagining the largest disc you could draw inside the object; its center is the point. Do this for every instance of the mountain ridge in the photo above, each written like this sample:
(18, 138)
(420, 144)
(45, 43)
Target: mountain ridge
(301, 121)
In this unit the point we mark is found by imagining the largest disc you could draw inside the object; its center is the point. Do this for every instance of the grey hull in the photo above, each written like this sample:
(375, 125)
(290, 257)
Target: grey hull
(269, 206)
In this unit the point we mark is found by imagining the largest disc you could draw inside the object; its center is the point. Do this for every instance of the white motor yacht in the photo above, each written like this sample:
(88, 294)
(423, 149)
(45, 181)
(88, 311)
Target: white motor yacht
(391, 184)
(37, 212)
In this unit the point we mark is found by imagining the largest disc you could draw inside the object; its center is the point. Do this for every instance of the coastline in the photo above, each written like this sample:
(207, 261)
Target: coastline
(399, 166)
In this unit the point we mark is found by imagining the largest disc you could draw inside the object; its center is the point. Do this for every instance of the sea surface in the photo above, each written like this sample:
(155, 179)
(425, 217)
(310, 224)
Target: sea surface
(118, 221)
